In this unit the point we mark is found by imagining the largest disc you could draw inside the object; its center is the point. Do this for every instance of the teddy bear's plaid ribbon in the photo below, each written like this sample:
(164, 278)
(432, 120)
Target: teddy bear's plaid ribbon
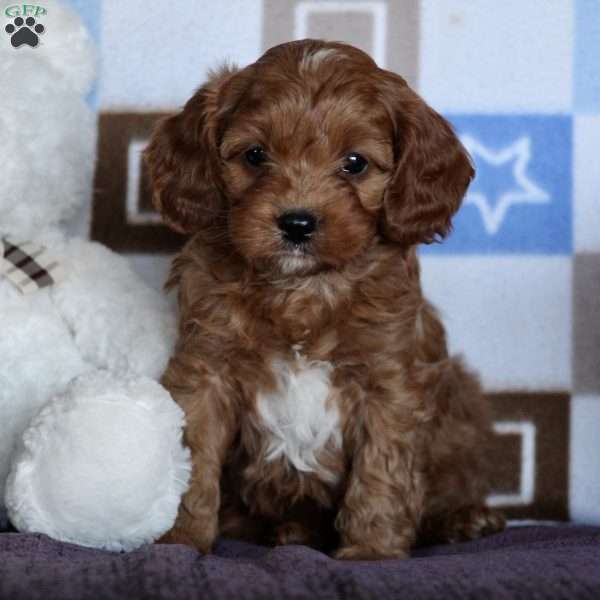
(27, 265)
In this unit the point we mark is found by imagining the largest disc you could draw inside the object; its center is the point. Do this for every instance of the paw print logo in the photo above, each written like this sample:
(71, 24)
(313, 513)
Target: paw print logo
(24, 32)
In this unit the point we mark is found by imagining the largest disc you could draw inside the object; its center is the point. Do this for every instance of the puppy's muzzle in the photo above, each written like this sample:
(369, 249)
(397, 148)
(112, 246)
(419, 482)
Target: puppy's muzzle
(297, 227)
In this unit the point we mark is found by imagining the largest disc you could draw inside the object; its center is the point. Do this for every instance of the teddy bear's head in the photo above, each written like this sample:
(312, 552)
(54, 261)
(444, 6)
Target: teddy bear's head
(47, 127)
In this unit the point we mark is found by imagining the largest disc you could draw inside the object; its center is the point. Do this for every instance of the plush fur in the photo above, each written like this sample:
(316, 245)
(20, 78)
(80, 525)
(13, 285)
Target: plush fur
(90, 444)
(322, 406)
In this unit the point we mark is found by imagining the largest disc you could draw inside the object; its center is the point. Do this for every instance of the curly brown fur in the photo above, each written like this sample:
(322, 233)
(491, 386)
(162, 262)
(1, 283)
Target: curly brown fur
(404, 425)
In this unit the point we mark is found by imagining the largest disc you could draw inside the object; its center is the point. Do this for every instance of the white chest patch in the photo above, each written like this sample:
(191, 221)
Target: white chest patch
(297, 417)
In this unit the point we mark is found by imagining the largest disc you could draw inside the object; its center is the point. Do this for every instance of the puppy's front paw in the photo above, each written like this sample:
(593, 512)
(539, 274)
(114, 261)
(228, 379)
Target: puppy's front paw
(291, 533)
(195, 534)
(470, 523)
(369, 553)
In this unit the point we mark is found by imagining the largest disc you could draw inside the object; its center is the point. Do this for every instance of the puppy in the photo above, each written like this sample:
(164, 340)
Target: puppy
(322, 406)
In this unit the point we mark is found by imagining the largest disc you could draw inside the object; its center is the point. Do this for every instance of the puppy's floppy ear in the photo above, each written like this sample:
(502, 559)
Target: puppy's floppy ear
(183, 159)
(432, 173)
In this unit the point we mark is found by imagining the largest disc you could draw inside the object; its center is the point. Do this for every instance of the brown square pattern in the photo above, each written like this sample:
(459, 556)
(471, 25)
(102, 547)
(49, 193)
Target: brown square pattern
(387, 30)
(122, 214)
(531, 451)
(586, 317)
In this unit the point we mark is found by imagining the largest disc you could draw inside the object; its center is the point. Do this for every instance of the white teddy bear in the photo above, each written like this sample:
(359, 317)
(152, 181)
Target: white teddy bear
(90, 444)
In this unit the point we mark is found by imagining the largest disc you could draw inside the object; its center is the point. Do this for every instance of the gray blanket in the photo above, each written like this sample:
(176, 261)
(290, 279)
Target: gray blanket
(530, 562)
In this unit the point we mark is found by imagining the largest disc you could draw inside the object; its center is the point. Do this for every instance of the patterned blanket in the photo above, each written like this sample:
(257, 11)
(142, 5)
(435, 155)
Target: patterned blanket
(518, 283)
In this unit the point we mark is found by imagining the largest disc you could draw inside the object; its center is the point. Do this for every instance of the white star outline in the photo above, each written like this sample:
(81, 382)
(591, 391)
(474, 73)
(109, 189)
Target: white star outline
(493, 214)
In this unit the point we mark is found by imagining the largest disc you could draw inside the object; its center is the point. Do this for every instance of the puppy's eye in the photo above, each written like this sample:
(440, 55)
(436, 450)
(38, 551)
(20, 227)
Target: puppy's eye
(256, 156)
(355, 164)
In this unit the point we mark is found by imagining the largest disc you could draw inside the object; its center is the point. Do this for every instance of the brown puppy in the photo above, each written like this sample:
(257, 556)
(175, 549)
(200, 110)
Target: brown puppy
(322, 406)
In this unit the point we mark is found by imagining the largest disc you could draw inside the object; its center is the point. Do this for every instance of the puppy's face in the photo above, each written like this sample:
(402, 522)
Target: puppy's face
(306, 158)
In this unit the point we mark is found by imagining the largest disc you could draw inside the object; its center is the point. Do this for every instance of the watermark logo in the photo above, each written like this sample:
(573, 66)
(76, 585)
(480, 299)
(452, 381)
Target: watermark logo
(24, 29)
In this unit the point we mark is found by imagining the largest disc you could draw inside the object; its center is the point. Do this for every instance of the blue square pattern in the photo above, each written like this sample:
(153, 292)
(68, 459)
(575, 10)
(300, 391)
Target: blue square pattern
(587, 56)
(520, 199)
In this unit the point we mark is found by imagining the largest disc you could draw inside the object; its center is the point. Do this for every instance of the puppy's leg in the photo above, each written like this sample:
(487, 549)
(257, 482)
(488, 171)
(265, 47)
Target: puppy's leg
(382, 505)
(458, 457)
(211, 425)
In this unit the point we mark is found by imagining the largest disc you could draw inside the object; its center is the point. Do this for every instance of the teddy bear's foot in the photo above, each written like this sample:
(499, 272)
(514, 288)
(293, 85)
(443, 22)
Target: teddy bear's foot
(102, 465)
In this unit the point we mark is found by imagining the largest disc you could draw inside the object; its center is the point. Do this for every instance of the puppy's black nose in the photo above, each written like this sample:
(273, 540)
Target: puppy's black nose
(297, 227)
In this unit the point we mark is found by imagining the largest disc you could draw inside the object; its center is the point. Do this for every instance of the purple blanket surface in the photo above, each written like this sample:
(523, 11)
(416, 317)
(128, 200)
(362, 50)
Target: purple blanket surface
(525, 562)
